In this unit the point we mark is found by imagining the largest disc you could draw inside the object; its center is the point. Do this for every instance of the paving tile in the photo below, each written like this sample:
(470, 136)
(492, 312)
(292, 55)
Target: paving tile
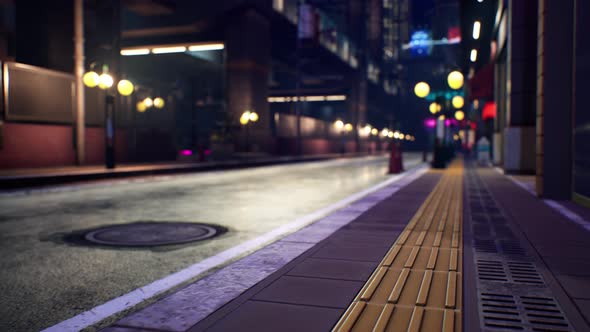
(334, 269)
(352, 238)
(183, 309)
(569, 266)
(123, 329)
(367, 252)
(379, 229)
(584, 306)
(577, 287)
(311, 291)
(263, 316)
(561, 250)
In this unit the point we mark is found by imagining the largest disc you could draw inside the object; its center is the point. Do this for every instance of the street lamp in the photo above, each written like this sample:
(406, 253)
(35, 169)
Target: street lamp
(459, 115)
(159, 102)
(422, 89)
(434, 108)
(104, 82)
(247, 118)
(455, 80)
(148, 102)
(458, 102)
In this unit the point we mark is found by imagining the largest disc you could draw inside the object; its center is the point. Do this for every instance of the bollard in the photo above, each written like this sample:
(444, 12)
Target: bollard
(400, 163)
(394, 159)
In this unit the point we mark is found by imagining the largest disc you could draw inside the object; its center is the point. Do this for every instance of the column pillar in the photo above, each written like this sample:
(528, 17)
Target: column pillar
(247, 68)
(519, 133)
(554, 99)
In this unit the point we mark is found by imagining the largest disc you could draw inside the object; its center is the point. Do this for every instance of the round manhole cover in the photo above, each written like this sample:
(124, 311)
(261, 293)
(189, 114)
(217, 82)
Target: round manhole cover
(141, 234)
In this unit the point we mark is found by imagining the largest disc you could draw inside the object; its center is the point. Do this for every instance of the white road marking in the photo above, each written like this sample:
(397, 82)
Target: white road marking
(135, 297)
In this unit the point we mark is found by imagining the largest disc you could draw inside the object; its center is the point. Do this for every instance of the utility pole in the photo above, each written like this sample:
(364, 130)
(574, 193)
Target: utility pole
(79, 72)
(298, 149)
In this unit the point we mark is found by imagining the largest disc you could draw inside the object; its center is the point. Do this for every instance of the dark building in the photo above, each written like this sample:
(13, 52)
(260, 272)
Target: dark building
(299, 65)
(531, 61)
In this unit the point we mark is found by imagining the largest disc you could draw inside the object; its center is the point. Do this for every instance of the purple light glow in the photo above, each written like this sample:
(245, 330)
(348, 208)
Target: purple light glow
(207, 152)
(186, 152)
(447, 123)
(430, 123)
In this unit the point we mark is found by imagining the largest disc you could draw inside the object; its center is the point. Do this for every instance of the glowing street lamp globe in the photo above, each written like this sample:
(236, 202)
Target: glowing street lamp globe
(434, 107)
(458, 102)
(374, 131)
(91, 79)
(253, 117)
(105, 81)
(422, 89)
(348, 127)
(159, 102)
(141, 107)
(455, 80)
(148, 102)
(244, 120)
(459, 115)
(339, 124)
(125, 87)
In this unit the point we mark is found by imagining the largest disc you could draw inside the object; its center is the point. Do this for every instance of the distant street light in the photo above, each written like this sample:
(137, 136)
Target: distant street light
(455, 80)
(434, 108)
(422, 89)
(338, 124)
(125, 87)
(459, 115)
(458, 102)
(148, 102)
(246, 118)
(159, 102)
(141, 107)
(91, 79)
(105, 81)
(348, 127)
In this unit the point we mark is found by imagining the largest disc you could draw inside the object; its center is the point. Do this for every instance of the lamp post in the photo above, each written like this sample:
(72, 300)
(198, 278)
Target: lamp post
(339, 125)
(105, 82)
(247, 118)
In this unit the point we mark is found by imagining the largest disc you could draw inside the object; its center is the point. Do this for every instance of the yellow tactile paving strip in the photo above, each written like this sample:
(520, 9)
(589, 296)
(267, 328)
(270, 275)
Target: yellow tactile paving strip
(417, 286)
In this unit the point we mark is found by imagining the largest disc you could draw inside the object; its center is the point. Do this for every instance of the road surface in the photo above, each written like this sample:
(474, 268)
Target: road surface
(44, 280)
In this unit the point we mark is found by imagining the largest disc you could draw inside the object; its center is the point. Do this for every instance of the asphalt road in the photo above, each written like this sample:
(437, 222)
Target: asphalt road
(44, 280)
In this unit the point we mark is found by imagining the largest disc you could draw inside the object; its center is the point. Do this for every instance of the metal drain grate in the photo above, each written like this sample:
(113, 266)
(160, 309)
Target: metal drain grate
(512, 294)
(502, 312)
(485, 246)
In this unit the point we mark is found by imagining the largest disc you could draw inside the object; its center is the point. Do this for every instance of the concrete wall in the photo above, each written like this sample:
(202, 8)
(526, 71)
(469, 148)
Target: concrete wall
(44, 145)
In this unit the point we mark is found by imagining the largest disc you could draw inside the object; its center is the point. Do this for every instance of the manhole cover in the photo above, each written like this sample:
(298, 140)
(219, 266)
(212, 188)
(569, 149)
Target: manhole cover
(142, 234)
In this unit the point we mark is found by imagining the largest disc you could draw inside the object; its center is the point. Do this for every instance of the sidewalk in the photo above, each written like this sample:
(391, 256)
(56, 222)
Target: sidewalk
(395, 260)
(35, 177)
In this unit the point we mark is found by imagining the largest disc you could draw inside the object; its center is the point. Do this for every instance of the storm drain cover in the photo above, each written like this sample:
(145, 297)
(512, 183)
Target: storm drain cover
(142, 234)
